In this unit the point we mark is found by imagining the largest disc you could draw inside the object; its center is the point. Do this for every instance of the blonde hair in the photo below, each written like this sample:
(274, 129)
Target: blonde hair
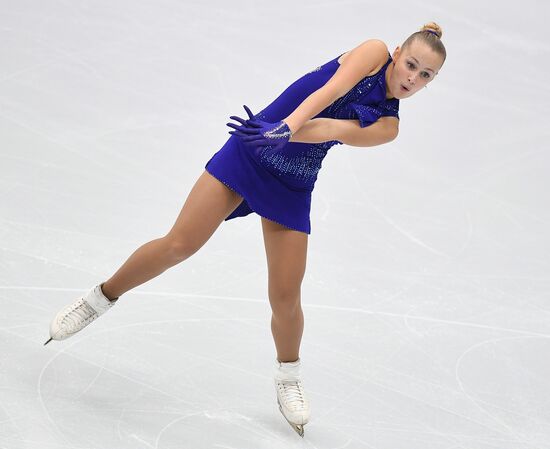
(430, 34)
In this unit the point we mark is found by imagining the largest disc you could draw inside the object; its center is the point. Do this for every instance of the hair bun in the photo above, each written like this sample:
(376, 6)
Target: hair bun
(434, 28)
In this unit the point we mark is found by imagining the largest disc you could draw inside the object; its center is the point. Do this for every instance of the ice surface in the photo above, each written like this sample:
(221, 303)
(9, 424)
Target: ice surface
(426, 295)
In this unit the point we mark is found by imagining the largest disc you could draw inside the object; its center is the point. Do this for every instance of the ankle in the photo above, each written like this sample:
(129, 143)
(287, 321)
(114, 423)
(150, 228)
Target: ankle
(291, 360)
(106, 293)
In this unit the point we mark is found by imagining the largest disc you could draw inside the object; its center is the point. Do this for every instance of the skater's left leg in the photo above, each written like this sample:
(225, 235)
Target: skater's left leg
(286, 252)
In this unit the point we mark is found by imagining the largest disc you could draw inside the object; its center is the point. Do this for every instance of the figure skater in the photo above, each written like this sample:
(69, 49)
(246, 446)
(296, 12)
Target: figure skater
(269, 166)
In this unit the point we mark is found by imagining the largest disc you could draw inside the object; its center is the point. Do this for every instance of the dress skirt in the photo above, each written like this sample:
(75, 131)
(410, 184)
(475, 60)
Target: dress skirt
(274, 196)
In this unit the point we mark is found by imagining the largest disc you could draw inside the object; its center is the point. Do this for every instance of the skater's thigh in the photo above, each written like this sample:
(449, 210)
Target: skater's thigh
(209, 202)
(286, 252)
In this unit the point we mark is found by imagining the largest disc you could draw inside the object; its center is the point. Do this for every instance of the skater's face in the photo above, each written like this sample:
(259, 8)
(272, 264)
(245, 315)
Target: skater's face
(411, 69)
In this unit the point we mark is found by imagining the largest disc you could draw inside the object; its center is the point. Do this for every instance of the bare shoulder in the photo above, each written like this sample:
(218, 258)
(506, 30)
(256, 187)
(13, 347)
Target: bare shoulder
(375, 45)
(369, 50)
(364, 60)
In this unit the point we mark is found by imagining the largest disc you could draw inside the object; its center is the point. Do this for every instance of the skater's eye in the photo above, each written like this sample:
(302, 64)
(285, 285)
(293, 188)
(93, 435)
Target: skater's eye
(412, 66)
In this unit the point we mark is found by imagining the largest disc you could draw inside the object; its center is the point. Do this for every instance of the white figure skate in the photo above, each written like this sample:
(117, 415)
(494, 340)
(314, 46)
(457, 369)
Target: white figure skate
(291, 398)
(76, 316)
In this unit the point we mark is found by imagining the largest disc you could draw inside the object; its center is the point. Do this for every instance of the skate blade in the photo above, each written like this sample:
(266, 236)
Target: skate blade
(48, 341)
(298, 428)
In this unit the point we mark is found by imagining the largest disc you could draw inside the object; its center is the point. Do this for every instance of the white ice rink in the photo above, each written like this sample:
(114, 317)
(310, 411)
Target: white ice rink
(426, 295)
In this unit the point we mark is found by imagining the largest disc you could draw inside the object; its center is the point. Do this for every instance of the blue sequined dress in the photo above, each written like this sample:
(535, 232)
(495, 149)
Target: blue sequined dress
(279, 185)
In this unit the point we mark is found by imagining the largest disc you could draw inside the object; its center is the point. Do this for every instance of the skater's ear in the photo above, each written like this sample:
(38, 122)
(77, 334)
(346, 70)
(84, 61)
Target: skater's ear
(396, 53)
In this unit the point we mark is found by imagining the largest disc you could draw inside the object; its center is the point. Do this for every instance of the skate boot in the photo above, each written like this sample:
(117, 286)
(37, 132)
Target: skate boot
(290, 395)
(79, 314)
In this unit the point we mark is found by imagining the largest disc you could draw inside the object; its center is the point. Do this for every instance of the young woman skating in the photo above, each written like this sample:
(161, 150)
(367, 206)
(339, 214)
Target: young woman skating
(269, 166)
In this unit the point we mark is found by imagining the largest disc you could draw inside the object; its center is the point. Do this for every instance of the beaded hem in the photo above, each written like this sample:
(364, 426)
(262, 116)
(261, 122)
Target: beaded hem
(259, 213)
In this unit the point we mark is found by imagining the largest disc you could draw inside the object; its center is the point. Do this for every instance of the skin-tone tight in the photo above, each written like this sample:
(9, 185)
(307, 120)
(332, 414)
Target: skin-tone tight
(209, 202)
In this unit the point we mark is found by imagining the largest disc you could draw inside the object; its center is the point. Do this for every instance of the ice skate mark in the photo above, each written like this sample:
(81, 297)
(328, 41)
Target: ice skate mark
(92, 382)
(45, 260)
(234, 419)
(477, 402)
(135, 437)
(393, 224)
(428, 319)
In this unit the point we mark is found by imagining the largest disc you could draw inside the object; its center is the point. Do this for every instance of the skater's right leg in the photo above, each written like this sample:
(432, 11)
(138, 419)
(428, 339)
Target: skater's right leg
(207, 205)
(286, 252)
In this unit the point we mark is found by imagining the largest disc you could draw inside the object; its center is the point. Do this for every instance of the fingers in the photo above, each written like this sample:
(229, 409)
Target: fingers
(248, 111)
(251, 141)
(252, 137)
(252, 131)
(242, 121)
(232, 125)
(254, 123)
(237, 127)
(243, 129)
(238, 133)
(255, 140)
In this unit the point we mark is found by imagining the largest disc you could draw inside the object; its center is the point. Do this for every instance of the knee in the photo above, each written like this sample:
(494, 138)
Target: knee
(179, 248)
(285, 303)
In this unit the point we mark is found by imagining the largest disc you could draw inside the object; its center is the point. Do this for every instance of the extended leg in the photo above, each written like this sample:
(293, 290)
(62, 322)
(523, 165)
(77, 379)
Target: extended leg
(208, 204)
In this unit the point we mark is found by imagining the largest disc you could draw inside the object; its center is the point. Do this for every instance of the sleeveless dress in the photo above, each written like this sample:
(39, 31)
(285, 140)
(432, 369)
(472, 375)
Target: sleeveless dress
(278, 185)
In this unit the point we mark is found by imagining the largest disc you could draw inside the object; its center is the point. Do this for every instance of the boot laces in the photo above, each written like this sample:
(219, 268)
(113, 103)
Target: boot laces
(81, 315)
(293, 393)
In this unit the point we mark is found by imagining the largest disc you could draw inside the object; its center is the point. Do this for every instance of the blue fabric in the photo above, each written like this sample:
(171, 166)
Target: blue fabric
(278, 184)
(258, 133)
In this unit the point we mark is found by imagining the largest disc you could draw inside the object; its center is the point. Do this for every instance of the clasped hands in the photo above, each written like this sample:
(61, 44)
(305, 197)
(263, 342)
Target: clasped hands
(257, 133)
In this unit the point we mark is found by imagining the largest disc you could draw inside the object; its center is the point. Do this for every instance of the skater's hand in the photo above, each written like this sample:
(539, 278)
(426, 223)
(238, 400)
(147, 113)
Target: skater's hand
(240, 131)
(275, 135)
(257, 133)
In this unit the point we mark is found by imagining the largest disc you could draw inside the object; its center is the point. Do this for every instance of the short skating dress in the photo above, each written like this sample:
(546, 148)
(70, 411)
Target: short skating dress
(279, 185)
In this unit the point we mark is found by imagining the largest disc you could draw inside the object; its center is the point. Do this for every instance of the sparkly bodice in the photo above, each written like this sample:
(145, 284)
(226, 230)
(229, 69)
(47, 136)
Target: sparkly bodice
(299, 163)
(366, 101)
